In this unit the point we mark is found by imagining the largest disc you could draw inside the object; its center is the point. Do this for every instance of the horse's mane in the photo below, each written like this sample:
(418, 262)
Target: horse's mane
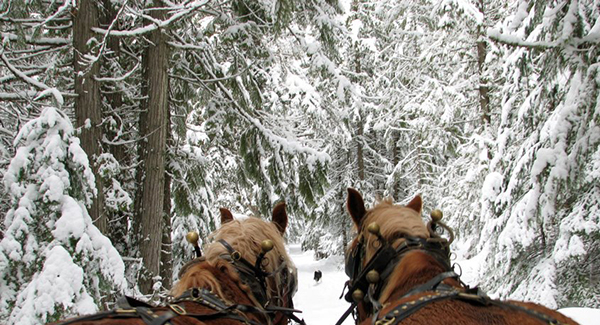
(245, 236)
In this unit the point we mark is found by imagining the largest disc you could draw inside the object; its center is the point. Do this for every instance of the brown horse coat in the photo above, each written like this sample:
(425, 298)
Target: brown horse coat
(418, 267)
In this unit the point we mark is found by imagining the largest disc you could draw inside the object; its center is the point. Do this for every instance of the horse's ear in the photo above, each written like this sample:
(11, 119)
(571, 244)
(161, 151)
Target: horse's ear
(416, 204)
(356, 206)
(280, 217)
(226, 216)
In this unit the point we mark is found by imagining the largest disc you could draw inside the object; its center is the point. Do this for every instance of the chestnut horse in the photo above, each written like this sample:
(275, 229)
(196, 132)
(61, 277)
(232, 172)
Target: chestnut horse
(244, 277)
(400, 272)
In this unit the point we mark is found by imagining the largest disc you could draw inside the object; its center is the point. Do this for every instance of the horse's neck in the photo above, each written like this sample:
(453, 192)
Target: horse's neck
(414, 269)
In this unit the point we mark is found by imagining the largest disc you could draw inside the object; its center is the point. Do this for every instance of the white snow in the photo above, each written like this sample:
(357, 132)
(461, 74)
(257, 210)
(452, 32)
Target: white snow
(584, 316)
(319, 302)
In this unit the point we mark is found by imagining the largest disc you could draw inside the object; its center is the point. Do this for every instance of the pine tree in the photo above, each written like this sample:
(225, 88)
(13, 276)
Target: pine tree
(53, 261)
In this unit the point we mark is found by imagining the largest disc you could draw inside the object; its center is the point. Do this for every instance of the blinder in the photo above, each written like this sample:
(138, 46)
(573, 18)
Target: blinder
(353, 261)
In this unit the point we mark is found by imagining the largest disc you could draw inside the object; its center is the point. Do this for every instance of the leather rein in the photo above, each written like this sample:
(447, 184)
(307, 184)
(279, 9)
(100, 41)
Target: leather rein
(255, 277)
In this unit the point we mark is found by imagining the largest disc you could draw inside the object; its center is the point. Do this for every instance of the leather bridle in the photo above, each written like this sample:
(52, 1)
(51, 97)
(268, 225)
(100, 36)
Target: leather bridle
(255, 277)
(366, 282)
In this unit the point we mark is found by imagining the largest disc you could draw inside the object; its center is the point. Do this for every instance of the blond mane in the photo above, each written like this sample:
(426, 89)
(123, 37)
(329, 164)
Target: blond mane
(246, 237)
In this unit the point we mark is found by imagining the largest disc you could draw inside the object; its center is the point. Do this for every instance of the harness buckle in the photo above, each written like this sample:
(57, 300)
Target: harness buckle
(386, 321)
(177, 309)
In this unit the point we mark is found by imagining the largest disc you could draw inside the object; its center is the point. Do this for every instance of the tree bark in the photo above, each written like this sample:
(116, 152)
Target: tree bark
(117, 221)
(166, 257)
(153, 128)
(484, 99)
(88, 112)
(360, 159)
(395, 160)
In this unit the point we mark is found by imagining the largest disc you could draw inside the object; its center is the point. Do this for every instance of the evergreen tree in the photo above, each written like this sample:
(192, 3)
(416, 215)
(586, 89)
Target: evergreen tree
(537, 193)
(53, 261)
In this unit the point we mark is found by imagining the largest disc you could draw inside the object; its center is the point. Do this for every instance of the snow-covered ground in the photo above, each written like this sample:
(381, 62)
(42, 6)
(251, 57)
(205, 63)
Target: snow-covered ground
(319, 302)
(321, 305)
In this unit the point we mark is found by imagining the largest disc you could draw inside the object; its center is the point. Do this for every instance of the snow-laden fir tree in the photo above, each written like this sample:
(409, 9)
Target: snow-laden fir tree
(537, 216)
(53, 261)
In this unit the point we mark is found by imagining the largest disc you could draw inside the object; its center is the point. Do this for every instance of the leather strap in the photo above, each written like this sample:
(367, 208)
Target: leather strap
(431, 284)
(401, 312)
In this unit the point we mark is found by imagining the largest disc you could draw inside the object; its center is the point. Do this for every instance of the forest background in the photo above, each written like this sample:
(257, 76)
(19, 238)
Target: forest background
(124, 124)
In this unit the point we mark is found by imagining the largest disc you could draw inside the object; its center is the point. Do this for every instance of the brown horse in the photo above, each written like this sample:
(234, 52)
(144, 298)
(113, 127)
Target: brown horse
(244, 277)
(400, 272)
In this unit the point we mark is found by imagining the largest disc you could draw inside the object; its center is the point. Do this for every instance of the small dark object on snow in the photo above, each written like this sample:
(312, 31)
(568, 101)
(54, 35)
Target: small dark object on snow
(318, 275)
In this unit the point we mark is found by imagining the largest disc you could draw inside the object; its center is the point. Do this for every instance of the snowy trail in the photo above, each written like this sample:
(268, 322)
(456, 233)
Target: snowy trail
(319, 302)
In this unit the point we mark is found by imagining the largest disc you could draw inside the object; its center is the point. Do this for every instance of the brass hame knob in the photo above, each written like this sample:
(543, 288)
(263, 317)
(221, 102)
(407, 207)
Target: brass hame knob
(436, 215)
(373, 276)
(373, 228)
(358, 295)
(192, 238)
(266, 245)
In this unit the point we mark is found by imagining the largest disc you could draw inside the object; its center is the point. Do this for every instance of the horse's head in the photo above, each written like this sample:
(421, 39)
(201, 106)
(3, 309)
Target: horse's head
(392, 250)
(235, 249)
(394, 222)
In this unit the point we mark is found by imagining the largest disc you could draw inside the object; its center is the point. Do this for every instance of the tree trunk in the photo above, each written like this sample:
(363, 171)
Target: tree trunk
(166, 257)
(87, 103)
(360, 159)
(484, 99)
(117, 222)
(153, 128)
(396, 160)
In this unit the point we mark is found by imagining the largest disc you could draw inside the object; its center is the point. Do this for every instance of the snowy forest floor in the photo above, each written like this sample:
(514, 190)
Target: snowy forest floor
(321, 305)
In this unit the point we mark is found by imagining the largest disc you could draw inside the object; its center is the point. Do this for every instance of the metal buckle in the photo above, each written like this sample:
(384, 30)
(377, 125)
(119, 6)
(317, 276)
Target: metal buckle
(385, 321)
(177, 309)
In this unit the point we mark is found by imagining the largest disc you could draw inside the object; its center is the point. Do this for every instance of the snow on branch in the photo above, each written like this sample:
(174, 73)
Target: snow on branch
(468, 8)
(46, 89)
(37, 40)
(291, 146)
(20, 95)
(59, 12)
(123, 77)
(91, 59)
(507, 39)
(185, 10)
